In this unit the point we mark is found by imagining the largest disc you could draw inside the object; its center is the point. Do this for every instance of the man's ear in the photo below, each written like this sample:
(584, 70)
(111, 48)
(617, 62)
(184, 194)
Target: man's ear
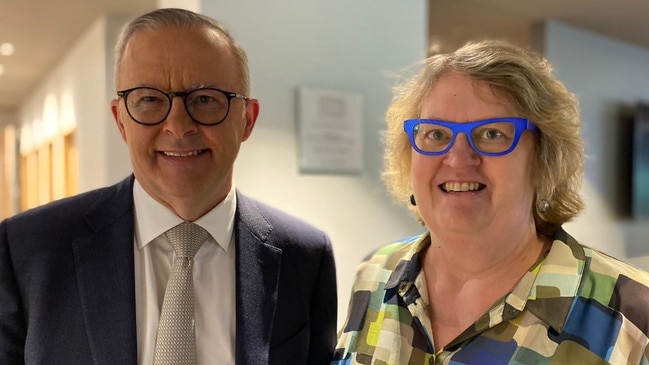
(251, 114)
(114, 108)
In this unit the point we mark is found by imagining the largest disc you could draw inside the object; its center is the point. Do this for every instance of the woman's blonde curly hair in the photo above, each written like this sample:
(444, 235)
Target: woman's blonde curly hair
(535, 93)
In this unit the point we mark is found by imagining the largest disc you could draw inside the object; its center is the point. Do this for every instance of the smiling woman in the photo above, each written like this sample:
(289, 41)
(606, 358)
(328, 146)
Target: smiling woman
(485, 145)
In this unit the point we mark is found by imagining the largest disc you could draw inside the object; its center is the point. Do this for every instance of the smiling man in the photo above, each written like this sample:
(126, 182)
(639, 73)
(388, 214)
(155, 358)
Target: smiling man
(172, 265)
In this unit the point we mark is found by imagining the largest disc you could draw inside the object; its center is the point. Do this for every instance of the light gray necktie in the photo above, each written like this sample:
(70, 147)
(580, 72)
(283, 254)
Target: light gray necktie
(176, 342)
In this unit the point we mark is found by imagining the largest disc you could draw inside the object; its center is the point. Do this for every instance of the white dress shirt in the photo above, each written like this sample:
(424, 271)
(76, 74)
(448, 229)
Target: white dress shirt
(214, 277)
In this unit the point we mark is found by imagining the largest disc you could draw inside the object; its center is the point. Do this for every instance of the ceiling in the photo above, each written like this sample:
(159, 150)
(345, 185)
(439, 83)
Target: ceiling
(43, 30)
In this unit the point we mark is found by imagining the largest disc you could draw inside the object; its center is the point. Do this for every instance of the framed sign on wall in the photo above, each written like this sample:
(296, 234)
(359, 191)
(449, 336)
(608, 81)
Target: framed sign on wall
(330, 131)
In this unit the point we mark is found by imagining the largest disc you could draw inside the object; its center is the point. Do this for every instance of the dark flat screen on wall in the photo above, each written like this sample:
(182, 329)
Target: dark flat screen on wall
(640, 183)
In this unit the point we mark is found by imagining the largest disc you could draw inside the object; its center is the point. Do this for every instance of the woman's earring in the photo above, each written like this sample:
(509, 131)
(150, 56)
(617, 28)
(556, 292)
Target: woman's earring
(412, 200)
(542, 205)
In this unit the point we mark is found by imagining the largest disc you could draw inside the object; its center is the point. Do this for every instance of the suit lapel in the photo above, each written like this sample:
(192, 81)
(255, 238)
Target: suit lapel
(105, 276)
(257, 276)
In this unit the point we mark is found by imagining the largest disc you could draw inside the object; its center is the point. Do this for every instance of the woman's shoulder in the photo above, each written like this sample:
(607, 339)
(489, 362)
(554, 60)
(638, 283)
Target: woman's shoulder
(607, 265)
(602, 265)
(378, 267)
(395, 251)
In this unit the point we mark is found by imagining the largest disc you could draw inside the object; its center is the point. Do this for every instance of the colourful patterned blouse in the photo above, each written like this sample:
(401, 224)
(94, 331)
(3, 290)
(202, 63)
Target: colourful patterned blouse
(576, 306)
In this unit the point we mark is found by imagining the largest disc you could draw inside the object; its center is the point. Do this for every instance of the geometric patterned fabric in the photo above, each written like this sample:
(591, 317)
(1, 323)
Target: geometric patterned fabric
(176, 341)
(575, 306)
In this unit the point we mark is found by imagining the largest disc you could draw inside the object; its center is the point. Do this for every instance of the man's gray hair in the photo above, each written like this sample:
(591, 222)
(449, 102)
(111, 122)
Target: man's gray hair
(181, 18)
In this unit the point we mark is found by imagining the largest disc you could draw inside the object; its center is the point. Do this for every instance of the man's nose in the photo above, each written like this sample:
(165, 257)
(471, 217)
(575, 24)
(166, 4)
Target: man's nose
(179, 122)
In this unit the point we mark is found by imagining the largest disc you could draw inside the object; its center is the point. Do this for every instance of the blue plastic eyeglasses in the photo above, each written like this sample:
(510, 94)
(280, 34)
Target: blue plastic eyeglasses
(489, 137)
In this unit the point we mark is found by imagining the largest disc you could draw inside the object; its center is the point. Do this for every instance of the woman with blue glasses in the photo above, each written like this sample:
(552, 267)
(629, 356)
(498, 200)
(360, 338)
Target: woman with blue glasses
(484, 147)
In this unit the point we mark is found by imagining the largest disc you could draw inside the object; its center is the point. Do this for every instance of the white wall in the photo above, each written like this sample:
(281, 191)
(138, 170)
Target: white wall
(355, 46)
(608, 76)
(79, 89)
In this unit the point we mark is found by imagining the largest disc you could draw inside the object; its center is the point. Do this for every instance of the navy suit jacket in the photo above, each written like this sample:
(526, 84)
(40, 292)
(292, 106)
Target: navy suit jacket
(67, 292)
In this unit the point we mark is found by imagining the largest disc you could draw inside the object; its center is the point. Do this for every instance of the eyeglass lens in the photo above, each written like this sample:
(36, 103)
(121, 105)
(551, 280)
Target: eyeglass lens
(151, 106)
(491, 137)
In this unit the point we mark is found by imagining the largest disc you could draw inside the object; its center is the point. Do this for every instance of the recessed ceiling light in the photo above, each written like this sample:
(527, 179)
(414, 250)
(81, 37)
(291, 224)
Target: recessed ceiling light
(2, 70)
(6, 49)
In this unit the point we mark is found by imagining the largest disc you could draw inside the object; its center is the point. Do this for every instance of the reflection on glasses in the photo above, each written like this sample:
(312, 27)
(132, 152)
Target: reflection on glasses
(489, 137)
(149, 106)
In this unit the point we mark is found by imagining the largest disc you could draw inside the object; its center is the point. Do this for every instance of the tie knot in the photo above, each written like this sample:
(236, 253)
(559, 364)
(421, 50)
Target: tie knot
(187, 238)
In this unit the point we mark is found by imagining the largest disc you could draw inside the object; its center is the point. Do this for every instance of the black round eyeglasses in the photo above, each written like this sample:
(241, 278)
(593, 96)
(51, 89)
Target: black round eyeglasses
(150, 106)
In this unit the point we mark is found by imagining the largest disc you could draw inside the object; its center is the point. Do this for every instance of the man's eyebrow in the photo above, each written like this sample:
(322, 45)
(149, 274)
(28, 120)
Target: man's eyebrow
(201, 85)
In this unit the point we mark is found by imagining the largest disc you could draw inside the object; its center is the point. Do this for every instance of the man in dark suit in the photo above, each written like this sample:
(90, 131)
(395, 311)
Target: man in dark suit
(83, 279)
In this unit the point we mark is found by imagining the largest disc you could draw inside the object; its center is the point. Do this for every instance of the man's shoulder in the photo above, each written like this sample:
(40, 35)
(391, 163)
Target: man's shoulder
(273, 215)
(67, 208)
(260, 216)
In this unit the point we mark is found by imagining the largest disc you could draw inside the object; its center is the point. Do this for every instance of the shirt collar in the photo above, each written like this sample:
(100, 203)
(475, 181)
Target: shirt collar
(153, 219)
(558, 281)
(409, 265)
(547, 290)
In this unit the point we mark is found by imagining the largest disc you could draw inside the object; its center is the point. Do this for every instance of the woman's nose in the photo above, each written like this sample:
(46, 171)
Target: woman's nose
(461, 153)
